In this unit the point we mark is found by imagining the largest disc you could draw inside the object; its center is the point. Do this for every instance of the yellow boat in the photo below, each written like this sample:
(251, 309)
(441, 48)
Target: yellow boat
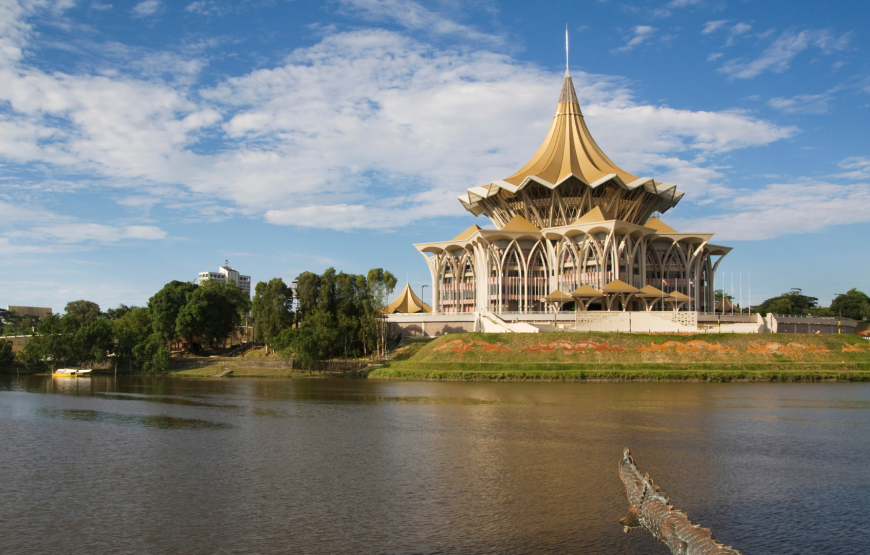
(71, 373)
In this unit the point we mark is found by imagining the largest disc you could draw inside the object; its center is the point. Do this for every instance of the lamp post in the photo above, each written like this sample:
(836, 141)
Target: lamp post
(840, 318)
(423, 293)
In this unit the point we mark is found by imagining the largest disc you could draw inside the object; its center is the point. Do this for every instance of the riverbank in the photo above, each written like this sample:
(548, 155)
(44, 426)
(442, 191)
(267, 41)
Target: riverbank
(634, 357)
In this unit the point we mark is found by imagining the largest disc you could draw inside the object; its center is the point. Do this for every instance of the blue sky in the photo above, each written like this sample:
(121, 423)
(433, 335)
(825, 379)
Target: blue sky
(142, 142)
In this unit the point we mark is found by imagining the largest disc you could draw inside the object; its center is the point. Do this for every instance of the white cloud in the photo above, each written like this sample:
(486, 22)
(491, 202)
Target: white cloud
(712, 26)
(101, 7)
(860, 166)
(714, 56)
(413, 16)
(803, 104)
(640, 34)
(682, 3)
(782, 51)
(364, 129)
(781, 209)
(146, 8)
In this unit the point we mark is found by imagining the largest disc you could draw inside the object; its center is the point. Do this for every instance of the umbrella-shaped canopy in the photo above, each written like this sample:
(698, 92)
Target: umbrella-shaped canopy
(618, 286)
(558, 297)
(649, 292)
(677, 296)
(584, 292)
(407, 303)
(724, 305)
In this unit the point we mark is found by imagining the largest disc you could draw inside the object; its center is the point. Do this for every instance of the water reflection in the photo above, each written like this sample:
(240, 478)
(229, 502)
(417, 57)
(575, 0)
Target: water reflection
(355, 466)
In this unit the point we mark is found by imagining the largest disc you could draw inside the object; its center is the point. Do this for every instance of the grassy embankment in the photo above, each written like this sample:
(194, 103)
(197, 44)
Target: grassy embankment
(615, 356)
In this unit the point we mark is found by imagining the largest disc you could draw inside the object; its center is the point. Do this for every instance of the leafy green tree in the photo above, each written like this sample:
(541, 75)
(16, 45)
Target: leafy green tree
(6, 354)
(211, 313)
(152, 354)
(131, 329)
(718, 293)
(55, 341)
(381, 285)
(853, 304)
(165, 306)
(271, 309)
(86, 312)
(117, 313)
(94, 342)
(792, 303)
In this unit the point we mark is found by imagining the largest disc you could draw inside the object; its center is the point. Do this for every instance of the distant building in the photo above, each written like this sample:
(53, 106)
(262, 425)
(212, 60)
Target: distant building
(226, 274)
(37, 311)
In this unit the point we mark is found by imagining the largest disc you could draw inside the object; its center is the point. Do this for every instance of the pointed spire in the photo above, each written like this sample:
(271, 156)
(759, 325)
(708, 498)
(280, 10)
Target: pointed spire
(567, 72)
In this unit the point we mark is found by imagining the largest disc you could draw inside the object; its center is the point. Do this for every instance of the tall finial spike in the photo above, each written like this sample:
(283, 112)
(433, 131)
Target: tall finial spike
(566, 51)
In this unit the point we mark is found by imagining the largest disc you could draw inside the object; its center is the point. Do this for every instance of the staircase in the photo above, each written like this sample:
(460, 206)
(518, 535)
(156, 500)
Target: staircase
(492, 323)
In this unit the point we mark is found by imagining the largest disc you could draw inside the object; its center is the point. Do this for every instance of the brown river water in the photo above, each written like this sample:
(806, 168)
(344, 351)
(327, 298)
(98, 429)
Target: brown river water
(161, 465)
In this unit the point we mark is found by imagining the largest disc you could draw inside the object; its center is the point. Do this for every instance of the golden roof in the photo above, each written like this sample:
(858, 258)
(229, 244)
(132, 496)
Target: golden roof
(518, 223)
(648, 291)
(619, 286)
(407, 303)
(569, 148)
(727, 308)
(660, 226)
(586, 291)
(467, 233)
(676, 295)
(597, 214)
(558, 296)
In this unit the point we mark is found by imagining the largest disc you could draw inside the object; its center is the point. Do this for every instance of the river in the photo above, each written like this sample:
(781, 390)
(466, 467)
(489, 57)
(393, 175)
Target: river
(161, 465)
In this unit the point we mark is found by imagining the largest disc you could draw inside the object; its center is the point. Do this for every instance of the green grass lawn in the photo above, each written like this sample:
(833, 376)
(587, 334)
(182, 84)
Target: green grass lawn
(616, 356)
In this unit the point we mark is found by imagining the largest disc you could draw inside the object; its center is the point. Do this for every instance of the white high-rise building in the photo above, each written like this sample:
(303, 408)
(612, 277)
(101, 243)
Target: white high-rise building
(226, 274)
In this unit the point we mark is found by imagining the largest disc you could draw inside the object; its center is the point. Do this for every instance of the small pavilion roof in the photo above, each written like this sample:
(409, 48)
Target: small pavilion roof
(727, 308)
(676, 295)
(618, 286)
(658, 225)
(597, 214)
(584, 291)
(467, 233)
(558, 297)
(518, 223)
(648, 291)
(407, 303)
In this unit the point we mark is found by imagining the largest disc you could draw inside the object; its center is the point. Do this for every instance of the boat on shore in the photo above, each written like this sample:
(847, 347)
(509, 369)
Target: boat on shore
(72, 373)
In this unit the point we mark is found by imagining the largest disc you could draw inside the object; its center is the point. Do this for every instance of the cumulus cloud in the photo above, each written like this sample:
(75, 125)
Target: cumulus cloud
(778, 56)
(365, 129)
(785, 208)
(640, 34)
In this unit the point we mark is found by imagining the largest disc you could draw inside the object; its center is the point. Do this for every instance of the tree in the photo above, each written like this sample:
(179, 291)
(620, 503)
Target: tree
(271, 309)
(717, 296)
(86, 312)
(152, 354)
(54, 342)
(6, 354)
(165, 305)
(381, 285)
(789, 303)
(94, 342)
(131, 329)
(211, 313)
(854, 304)
(116, 313)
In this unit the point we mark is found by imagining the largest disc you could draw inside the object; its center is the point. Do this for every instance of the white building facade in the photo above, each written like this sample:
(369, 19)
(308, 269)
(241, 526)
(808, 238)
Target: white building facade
(226, 274)
(572, 221)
